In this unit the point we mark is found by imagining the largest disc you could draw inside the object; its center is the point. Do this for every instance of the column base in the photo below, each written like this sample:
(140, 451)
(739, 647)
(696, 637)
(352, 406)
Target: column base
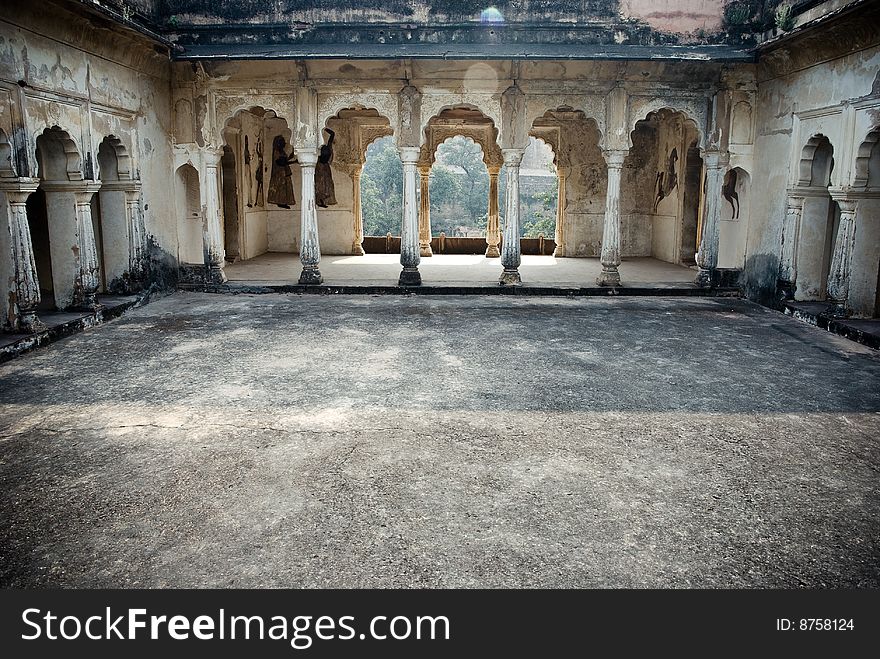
(492, 252)
(28, 323)
(425, 250)
(837, 309)
(89, 303)
(310, 276)
(705, 278)
(215, 275)
(559, 252)
(609, 277)
(357, 250)
(785, 290)
(410, 277)
(510, 278)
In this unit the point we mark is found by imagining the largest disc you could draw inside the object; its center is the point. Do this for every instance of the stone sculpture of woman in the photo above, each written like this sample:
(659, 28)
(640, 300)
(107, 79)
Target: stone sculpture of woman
(281, 183)
(325, 191)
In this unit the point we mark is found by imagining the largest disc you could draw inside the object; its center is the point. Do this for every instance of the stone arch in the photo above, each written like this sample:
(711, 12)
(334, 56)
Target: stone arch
(687, 108)
(816, 162)
(488, 104)
(867, 166)
(659, 199)
(58, 157)
(461, 119)
(591, 108)
(575, 139)
(383, 104)
(7, 167)
(190, 220)
(113, 156)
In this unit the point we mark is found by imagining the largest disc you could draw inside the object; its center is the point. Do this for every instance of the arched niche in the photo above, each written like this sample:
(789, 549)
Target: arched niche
(190, 220)
(820, 218)
(59, 168)
(110, 215)
(660, 189)
(864, 289)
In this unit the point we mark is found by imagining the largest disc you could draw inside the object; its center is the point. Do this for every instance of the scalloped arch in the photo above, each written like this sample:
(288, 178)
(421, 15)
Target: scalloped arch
(862, 173)
(72, 164)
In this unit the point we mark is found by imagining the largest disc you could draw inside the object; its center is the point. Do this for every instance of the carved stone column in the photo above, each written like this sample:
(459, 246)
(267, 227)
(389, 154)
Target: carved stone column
(561, 172)
(493, 227)
(707, 255)
(309, 247)
(357, 246)
(839, 275)
(425, 211)
(511, 254)
(788, 260)
(137, 234)
(215, 256)
(26, 289)
(409, 231)
(610, 256)
(86, 285)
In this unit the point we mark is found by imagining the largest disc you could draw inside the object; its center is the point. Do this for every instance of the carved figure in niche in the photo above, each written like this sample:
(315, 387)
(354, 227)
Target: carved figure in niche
(666, 181)
(259, 171)
(325, 191)
(248, 173)
(280, 182)
(728, 191)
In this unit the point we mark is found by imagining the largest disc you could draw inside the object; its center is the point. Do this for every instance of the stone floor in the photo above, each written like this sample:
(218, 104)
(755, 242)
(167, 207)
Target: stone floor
(456, 269)
(209, 440)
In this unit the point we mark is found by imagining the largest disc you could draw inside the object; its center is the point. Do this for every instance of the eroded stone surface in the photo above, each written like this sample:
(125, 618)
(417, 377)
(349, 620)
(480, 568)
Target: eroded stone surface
(412, 441)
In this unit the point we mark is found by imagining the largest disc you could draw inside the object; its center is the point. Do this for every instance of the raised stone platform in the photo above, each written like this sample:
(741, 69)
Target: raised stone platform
(862, 330)
(459, 274)
(64, 323)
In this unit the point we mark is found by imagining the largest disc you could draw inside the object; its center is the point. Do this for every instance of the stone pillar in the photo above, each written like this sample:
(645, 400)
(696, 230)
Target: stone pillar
(493, 227)
(511, 255)
(839, 275)
(137, 234)
(309, 247)
(707, 255)
(357, 246)
(610, 256)
(788, 260)
(215, 256)
(561, 172)
(26, 285)
(409, 231)
(86, 286)
(425, 211)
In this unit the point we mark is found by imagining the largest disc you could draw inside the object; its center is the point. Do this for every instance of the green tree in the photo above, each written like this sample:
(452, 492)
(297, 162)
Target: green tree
(382, 189)
(467, 156)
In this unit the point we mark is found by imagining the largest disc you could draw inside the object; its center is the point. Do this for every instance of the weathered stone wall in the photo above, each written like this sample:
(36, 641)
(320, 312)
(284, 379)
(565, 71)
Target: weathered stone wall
(821, 86)
(59, 68)
(673, 16)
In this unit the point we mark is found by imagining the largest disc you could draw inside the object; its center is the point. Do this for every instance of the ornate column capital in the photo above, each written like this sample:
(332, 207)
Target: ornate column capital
(409, 154)
(614, 158)
(513, 157)
(19, 186)
(307, 157)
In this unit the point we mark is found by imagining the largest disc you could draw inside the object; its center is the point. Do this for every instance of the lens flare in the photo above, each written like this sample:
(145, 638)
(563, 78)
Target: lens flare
(491, 15)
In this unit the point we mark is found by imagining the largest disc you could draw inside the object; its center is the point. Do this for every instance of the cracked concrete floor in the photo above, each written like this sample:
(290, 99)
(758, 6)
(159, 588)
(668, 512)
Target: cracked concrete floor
(438, 441)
